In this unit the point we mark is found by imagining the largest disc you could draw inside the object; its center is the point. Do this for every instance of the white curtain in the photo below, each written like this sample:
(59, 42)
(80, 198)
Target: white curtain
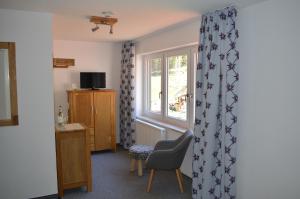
(216, 107)
(127, 95)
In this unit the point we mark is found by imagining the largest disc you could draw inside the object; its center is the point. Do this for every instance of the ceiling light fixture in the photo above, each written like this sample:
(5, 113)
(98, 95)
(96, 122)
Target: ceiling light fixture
(107, 20)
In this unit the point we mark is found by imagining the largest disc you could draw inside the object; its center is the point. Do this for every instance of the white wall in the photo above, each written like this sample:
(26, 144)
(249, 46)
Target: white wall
(89, 57)
(177, 36)
(27, 151)
(269, 159)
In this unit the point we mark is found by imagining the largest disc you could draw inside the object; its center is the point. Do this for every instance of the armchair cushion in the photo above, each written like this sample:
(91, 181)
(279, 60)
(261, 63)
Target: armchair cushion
(162, 159)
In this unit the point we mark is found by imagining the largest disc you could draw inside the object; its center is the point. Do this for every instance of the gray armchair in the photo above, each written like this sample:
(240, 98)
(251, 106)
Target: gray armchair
(168, 155)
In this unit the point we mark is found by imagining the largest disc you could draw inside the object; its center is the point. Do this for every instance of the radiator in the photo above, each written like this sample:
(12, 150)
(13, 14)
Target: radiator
(149, 134)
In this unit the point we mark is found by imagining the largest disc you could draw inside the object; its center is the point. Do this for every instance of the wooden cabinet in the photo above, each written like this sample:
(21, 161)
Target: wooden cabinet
(96, 110)
(73, 157)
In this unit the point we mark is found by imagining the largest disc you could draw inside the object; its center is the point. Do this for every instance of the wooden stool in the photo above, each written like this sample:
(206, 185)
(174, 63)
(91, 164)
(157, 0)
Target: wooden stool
(139, 153)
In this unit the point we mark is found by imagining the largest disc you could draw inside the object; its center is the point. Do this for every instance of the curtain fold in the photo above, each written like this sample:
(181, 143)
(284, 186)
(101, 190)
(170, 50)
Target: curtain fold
(127, 95)
(217, 78)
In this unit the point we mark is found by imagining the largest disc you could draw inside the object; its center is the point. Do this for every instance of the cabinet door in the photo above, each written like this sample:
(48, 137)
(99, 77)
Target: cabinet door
(104, 103)
(81, 107)
(73, 156)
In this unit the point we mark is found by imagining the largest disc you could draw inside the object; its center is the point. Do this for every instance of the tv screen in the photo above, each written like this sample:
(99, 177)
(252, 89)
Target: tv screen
(92, 80)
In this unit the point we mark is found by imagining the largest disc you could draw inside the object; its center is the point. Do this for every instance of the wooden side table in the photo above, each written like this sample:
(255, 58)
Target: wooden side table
(73, 157)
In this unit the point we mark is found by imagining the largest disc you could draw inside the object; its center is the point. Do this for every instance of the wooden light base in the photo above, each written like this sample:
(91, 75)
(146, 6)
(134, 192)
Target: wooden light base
(103, 20)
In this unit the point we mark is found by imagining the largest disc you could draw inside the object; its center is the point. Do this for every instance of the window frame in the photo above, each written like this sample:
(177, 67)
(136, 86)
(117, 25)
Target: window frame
(192, 54)
(147, 98)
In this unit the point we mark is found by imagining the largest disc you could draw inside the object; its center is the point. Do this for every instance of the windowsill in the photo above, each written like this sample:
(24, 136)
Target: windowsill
(161, 124)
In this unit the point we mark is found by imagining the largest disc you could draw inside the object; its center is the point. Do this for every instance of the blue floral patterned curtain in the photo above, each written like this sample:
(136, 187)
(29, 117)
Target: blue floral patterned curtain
(127, 95)
(216, 107)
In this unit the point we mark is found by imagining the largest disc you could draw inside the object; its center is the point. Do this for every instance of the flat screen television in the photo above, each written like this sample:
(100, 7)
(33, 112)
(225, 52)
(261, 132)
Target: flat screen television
(92, 80)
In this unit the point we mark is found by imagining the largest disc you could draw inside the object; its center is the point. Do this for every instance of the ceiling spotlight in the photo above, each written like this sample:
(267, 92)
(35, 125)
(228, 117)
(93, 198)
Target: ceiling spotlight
(111, 29)
(95, 29)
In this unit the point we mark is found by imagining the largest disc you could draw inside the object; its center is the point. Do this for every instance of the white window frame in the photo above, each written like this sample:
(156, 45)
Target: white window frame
(146, 86)
(191, 51)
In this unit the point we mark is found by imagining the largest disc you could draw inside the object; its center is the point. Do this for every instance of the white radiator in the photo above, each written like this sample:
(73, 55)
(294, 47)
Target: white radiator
(149, 134)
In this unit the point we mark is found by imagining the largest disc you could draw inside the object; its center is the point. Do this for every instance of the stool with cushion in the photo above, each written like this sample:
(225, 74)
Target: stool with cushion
(139, 153)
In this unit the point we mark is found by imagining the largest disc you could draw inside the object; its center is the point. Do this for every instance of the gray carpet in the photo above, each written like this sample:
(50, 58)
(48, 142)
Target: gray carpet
(112, 180)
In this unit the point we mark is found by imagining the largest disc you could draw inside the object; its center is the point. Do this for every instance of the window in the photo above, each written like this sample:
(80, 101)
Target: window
(177, 86)
(169, 86)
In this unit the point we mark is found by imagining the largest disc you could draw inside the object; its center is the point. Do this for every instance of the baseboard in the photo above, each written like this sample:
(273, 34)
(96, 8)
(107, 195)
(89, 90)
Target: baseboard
(53, 196)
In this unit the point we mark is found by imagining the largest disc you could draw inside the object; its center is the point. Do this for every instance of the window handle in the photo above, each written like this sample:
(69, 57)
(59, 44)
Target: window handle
(187, 96)
(159, 94)
(190, 96)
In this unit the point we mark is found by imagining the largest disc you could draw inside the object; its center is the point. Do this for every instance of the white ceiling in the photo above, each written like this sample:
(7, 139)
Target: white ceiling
(136, 17)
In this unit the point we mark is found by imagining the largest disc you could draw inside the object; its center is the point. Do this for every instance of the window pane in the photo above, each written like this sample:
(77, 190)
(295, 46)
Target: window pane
(155, 85)
(177, 86)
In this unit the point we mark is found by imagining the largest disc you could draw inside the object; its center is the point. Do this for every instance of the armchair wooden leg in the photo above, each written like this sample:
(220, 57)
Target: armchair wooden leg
(152, 171)
(179, 179)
